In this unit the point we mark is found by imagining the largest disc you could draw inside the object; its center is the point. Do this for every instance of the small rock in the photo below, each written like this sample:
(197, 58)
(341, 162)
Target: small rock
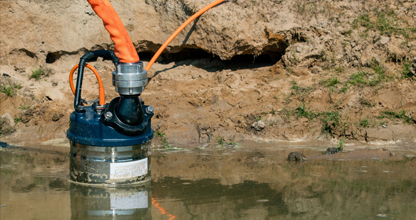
(384, 40)
(27, 115)
(382, 215)
(296, 156)
(19, 69)
(332, 150)
(262, 200)
(392, 154)
(54, 82)
(409, 156)
(56, 116)
(258, 126)
(3, 205)
(298, 49)
(384, 126)
(316, 69)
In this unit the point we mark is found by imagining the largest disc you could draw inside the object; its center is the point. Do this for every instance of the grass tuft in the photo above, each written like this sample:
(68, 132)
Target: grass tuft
(163, 137)
(36, 74)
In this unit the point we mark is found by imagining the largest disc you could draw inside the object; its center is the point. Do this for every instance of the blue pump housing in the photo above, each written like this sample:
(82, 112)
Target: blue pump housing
(87, 129)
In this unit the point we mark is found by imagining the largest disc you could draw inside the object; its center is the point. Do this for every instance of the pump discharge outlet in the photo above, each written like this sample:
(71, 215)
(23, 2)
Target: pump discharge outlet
(110, 143)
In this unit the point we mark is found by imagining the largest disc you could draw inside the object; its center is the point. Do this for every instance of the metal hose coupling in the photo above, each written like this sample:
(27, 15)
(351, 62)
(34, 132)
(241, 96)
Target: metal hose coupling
(130, 78)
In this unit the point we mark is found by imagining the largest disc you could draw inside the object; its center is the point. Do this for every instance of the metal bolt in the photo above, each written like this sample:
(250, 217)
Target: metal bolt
(149, 110)
(108, 115)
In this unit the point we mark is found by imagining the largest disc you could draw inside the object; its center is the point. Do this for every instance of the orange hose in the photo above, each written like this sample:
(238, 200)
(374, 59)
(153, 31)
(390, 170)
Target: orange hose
(162, 210)
(100, 82)
(123, 46)
(186, 23)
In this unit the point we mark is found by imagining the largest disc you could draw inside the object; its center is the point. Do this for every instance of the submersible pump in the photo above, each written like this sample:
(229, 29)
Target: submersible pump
(110, 142)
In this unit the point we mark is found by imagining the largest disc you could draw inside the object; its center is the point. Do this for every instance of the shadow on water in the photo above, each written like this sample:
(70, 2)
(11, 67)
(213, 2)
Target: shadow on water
(250, 184)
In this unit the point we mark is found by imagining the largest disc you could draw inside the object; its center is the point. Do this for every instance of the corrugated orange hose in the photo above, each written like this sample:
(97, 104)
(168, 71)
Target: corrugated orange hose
(100, 82)
(124, 48)
(187, 22)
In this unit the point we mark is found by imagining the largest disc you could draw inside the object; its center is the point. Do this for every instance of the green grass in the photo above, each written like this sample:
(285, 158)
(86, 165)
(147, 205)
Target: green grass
(222, 142)
(330, 82)
(363, 78)
(295, 86)
(406, 73)
(18, 119)
(302, 111)
(24, 106)
(8, 90)
(384, 22)
(258, 118)
(298, 90)
(36, 74)
(365, 123)
(331, 120)
(339, 69)
(164, 140)
(396, 115)
(359, 78)
(341, 145)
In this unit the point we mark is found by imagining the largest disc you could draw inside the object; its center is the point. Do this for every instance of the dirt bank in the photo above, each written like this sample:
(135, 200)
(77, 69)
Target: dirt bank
(258, 70)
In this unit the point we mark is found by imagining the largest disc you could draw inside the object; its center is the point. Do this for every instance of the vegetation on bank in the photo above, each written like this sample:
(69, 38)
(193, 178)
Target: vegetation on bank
(163, 138)
(10, 90)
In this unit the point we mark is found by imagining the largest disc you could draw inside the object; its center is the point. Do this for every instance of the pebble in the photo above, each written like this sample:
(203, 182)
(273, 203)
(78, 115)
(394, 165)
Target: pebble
(384, 40)
(3, 205)
(316, 69)
(262, 200)
(296, 156)
(54, 82)
(382, 215)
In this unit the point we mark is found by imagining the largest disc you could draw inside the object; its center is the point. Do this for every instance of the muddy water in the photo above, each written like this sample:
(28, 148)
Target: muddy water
(243, 183)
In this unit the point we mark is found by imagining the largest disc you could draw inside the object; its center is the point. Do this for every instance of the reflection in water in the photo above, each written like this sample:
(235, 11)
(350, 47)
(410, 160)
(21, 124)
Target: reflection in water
(251, 184)
(91, 202)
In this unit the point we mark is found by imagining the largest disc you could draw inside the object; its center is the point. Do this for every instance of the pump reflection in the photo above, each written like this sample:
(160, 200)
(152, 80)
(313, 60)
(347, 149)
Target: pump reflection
(92, 202)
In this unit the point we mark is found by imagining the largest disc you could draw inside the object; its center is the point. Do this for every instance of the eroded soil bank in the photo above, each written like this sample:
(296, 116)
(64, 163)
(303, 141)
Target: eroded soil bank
(246, 70)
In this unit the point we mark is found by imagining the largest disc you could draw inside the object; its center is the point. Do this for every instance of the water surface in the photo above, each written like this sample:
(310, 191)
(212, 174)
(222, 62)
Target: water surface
(215, 184)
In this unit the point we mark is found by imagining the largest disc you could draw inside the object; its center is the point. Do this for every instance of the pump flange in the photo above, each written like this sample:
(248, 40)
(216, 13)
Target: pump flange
(111, 118)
